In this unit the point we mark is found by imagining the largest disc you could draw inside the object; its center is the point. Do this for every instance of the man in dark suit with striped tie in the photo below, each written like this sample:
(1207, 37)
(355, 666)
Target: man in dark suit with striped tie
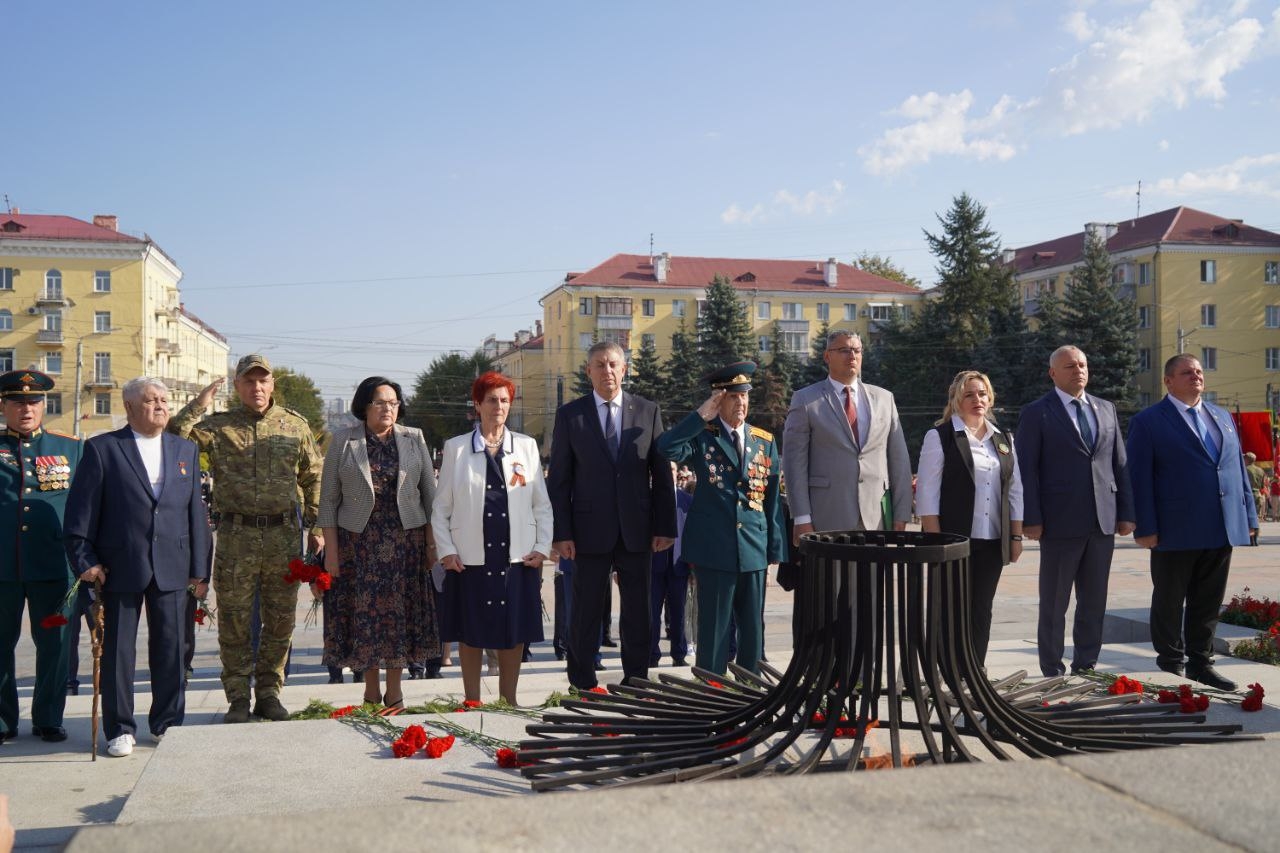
(614, 501)
(1076, 498)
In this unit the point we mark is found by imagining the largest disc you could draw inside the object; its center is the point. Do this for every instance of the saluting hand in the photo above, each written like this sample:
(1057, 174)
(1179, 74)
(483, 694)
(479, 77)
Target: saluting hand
(711, 407)
(205, 398)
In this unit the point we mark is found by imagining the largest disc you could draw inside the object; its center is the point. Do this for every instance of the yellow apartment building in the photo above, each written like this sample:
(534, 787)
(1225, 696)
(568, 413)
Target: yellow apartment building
(95, 307)
(630, 298)
(521, 359)
(1202, 284)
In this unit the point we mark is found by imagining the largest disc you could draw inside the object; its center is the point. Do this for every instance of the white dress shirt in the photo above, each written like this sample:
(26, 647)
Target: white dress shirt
(152, 459)
(1209, 423)
(1068, 403)
(860, 403)
(616, 405)
(986, 476)
(740, 432)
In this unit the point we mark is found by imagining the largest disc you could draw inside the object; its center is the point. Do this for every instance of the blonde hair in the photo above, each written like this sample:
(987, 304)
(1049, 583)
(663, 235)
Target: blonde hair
(956, 393)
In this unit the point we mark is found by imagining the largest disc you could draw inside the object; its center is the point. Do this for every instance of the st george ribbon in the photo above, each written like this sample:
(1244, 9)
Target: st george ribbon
(881, 648)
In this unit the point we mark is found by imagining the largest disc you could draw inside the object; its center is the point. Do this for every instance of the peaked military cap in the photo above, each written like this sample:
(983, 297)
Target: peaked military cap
(25, 385)
(732, 377)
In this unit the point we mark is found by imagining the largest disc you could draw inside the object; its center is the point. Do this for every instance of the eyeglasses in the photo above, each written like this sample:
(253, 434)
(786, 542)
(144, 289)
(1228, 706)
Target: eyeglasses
(846, 350)
(385, 404)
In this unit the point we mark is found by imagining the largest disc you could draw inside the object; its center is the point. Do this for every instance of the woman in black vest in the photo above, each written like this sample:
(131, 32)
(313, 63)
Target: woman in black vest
(969, 484)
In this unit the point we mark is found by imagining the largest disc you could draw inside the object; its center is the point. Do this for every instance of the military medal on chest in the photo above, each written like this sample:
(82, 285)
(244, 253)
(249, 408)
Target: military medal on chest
(53, 472)
(757, 478)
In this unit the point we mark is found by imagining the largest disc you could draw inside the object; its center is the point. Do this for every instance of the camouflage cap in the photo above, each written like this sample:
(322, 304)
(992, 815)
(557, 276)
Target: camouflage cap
(25, 385)
(250, 362)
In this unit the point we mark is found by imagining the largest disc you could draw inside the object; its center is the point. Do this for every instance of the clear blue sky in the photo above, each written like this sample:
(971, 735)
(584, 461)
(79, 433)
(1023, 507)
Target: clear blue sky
(358, 188)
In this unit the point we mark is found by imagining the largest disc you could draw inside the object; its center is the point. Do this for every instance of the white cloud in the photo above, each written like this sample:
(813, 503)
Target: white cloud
(1163, 145)
(1245, 176)
(785, 202)
(1166, 55)
(942, 126)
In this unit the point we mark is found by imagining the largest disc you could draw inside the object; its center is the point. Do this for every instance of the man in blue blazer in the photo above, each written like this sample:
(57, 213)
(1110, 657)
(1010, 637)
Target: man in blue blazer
(135, 521)
(615, 504)
(1076, 498)
(1193, 503)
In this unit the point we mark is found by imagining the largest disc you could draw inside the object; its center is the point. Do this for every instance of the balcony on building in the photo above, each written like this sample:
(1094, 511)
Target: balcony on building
(100, 380)
(49, 338)
(168, 346)
(50, 298)
(613, 312)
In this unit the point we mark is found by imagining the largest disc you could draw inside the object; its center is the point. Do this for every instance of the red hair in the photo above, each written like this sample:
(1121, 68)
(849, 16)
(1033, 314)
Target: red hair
(489, 381)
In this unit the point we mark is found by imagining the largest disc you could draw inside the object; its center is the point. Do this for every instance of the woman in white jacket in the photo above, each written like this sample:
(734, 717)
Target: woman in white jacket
(492, 524)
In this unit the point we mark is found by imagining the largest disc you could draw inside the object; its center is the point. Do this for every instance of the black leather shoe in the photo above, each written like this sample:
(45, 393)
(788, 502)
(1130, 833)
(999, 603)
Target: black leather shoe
(50, 734)
(609, 642)
(559, 654)
(601, 667)
(73, 689)
(1175, 668)
(679, 662)
(1210, 676)
(1076, 670)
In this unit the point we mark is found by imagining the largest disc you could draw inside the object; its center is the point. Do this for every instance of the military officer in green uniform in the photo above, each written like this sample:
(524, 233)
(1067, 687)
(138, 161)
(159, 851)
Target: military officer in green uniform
(35, 470)
(263, 460)
(734, 528)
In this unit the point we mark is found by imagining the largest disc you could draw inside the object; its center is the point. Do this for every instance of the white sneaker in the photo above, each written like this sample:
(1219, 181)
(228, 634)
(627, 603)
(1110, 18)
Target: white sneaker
(119, 747)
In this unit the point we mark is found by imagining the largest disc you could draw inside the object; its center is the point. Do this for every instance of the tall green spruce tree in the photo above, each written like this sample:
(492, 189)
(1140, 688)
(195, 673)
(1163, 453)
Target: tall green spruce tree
(1104, 324)
(771, 388)
(644, 374)
(682, 374)
(724, 330)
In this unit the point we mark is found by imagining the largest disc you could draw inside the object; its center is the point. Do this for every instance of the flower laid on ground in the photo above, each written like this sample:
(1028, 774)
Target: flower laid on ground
(711, 682)
(341, 712)
(1150, 688)
(1249, 612)
(58, 618)
(1123, 684)
(1253, 702)
(1184, 697)
(507, 758)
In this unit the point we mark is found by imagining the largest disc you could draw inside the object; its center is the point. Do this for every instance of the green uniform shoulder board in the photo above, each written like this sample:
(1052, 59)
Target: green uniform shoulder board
(296, 414)
(756, 432)
(62, 434)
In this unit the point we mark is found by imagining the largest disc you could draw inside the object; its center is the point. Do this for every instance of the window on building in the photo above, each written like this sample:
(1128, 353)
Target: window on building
(1144, 316)
(53, 320)
(647, 340)
(1144, 273)
(102, 281)
(795, 342)
(765, 343)
(53, 362)
(6, 360)
(1209, 358)
(6, 320)
(1208, 272)
(559, 307)
(102, 367)
(792, 311)
(701, 305)
(1144, 360)
(824, 311)
(584, 341)
(1208, 316)
(881, 313)
(53, 285)
(613, 306)
(1273, 317)
(1144, 398)
(647, 307)
(1273, 358)
(102, 403)
(678, 307)
(1271, 272)
(621, 337)
(850, 311)
(585, 305)
(6, 278)
(53, 404)
(102, 321)
(762, 310)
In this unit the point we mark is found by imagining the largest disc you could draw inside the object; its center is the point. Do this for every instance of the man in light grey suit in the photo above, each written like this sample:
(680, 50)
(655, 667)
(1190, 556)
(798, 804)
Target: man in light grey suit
(1076, 497)
(843, 449)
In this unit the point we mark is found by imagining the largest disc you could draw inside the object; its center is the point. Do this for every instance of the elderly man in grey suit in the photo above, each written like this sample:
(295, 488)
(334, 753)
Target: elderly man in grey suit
(1076, 497)
(843, 449)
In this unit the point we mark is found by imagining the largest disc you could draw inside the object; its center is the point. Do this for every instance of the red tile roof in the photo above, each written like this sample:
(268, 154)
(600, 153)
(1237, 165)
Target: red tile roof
(38, 226)
(1175, 225)
(745, 273)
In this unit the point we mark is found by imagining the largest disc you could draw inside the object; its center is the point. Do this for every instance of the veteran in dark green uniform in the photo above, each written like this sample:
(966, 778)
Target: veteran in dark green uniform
(734, 528)
(35, 470)
(265, 468)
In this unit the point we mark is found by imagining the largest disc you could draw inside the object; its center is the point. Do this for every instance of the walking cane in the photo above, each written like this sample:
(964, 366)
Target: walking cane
(96, 609)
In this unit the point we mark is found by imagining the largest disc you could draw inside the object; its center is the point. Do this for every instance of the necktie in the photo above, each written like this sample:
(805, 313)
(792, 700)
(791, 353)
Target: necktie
(1086, 432)
(1206, 437)
(850, 412)
(610, 430)
(737, 444)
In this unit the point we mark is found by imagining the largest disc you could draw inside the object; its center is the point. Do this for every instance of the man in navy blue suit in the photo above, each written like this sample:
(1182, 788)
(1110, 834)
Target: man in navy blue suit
(1076, 498)
(1193, 503)
(615, 504)
(135, 521)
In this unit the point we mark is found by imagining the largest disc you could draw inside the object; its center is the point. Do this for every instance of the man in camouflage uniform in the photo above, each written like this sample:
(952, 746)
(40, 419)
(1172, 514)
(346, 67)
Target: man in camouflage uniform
(36, 467)
(263, 458)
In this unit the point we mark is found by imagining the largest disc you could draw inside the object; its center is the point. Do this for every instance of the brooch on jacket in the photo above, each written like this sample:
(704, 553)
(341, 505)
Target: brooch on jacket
(517, 474)
(1001, 445)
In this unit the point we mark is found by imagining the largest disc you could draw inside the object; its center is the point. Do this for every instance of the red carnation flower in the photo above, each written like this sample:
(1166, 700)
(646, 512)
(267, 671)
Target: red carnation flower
(415, 735)
(598, 689)
(438, 746)
(324, 581)
(471, 703)
(711, 682)
(55, 620)
(1253, 702)
(1202, 702)
(506, 757)
(1167, 697)
(402, 748)
(341, 712)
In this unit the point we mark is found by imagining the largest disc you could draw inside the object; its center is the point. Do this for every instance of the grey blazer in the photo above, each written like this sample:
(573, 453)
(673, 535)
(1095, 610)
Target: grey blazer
(346, 484)
(831, 479)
